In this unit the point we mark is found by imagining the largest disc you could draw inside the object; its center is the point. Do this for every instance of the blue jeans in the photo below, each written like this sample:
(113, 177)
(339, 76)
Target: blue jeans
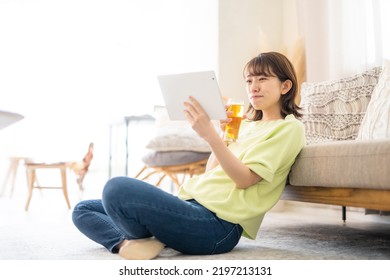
(133, 209)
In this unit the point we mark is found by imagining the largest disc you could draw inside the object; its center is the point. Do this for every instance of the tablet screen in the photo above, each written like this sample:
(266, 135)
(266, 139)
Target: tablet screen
(203, 86)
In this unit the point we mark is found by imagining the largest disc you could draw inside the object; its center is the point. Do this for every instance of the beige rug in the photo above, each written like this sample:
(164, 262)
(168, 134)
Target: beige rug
(46, 232)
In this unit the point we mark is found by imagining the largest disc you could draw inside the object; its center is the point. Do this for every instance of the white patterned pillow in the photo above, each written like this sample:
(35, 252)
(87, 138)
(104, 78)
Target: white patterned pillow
(376, 122)
(333, 110)
(177, 136)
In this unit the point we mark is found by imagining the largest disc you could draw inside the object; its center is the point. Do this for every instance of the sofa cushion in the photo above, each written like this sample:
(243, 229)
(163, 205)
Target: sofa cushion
(177, 137)
(376, 122)
(333, 110)
(353, 163)
(171, 158)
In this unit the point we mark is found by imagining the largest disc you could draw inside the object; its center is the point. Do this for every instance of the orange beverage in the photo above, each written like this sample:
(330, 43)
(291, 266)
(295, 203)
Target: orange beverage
(232, 128)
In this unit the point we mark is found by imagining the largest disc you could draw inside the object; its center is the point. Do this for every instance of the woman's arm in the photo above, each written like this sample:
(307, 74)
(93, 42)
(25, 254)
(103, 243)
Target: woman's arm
(211, 162)
(234, 168)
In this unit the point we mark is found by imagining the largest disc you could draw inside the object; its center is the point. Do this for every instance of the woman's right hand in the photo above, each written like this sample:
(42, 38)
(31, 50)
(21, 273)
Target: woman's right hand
(222, 123)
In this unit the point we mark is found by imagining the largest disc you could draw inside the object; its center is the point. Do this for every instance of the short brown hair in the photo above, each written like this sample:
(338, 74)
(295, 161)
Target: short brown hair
(277, 65)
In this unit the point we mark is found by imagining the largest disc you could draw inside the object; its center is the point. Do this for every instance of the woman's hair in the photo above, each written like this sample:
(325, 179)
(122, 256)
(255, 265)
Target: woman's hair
(273, 64)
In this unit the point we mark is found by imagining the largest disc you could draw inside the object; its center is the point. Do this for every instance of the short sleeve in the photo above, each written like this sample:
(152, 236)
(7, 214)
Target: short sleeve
(277, 152)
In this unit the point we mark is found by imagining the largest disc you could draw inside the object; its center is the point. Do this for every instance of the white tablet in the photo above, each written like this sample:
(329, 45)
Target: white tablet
(202, 86)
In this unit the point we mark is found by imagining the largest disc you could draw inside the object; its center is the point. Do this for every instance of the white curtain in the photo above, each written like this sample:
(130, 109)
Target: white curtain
(344, 37)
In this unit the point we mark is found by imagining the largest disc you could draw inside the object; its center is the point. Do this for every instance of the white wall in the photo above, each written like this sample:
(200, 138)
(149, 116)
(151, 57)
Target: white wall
(72, 67)
(246, 28)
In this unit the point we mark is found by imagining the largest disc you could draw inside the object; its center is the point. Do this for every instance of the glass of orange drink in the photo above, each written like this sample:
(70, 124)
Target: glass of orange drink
(232, 128)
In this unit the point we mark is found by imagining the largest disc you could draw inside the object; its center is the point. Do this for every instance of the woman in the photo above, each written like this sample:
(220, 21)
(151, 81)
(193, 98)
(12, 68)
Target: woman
(243, 180)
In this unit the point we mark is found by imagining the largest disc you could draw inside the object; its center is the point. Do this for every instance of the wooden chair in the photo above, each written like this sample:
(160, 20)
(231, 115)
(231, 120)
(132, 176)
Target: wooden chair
(32, 181)
(80, 168)
(173, 172)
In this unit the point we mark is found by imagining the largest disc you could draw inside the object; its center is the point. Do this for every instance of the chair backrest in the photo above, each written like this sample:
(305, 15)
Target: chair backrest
(80, 168)
(88, 157)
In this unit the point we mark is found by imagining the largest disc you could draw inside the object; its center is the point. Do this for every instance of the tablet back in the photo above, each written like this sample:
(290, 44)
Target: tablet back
(202, 85)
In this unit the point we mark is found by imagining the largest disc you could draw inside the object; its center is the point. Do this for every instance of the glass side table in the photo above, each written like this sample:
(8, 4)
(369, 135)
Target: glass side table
(131, 131)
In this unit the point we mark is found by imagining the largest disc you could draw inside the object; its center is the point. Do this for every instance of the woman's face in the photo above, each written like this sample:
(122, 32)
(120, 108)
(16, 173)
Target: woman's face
(264, 92)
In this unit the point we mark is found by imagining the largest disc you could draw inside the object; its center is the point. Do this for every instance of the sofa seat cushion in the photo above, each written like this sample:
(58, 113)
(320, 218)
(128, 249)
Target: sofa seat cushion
(353, 163)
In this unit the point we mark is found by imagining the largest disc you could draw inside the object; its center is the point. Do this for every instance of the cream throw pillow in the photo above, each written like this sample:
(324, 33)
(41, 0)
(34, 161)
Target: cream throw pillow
(175, 136)
(376, 121)
(333, 110)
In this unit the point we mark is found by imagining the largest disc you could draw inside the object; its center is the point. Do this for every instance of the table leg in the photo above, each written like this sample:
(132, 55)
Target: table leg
(30, 184)
(12, 170)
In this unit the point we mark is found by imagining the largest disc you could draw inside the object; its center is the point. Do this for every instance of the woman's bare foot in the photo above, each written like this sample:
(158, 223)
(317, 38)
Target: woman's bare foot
(141, 249)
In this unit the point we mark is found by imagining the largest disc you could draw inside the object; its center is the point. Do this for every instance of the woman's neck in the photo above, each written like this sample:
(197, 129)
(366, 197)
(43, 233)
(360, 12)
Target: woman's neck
(271, 117)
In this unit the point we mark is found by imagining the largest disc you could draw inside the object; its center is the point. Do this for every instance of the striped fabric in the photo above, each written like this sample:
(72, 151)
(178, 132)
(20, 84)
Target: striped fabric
(333, 110)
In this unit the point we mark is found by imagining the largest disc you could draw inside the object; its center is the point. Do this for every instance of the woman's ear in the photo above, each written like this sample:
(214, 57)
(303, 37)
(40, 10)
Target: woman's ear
(286, 86)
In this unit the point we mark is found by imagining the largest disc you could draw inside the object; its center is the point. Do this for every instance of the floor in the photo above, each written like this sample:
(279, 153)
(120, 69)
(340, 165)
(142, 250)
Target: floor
(291, 231)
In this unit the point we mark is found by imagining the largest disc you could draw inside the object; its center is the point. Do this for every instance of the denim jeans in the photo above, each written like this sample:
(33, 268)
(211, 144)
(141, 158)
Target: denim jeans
(133, 209)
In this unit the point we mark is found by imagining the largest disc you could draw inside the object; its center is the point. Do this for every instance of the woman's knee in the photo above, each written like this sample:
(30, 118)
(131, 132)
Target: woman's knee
(84, 208)
(117, 191)
(79, 210)
(81, 206)
(123, 187)
(120, 192)
(114, 188)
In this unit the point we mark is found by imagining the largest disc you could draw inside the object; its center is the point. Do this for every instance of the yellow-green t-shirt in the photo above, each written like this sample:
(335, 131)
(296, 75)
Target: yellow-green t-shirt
(268, 148)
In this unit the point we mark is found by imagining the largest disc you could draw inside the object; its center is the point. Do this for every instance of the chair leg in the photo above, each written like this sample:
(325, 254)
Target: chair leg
(160, 180)
(80, 180)
(148, 175)
(174, 179)
(64, 186)
(140, 172)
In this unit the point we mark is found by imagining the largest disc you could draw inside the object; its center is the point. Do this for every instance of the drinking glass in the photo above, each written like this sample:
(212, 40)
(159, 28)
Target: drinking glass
(232, 128)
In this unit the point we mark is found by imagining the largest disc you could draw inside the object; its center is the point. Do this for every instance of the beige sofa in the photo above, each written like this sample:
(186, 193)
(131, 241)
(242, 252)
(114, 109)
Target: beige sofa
(347, 173)
(347, 157)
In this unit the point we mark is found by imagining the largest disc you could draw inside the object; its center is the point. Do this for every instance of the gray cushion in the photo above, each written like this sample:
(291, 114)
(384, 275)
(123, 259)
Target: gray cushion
(352, 163)
(154, 158)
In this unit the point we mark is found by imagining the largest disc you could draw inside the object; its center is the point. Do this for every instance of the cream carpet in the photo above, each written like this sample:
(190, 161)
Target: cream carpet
(292, 231)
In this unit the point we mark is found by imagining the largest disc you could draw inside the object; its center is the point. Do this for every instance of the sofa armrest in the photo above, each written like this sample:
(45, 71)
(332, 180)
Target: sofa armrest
(352, 163)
